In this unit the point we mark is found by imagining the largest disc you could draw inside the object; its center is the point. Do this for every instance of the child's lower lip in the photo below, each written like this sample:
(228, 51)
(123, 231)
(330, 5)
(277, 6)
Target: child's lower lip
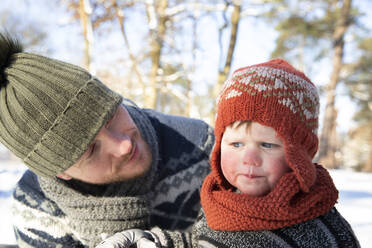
(251, 176)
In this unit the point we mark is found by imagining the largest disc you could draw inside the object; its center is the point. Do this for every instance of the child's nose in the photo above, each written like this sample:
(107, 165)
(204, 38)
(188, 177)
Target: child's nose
(252, 157)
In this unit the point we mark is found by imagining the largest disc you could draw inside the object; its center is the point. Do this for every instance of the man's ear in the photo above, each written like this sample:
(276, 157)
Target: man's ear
(64, 176)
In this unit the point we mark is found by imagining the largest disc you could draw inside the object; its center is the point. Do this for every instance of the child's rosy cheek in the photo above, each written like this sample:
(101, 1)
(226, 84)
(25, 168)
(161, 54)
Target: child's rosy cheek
(229, 161)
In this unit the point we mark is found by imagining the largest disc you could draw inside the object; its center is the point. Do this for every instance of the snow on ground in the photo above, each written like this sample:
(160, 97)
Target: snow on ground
(355, 201)
(10, 173)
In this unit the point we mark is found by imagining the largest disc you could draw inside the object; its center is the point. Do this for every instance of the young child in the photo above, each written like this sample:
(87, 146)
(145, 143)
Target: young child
(264, 190)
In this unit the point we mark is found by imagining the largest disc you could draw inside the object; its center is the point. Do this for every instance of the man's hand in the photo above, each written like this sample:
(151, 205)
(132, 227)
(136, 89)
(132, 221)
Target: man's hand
(136, 237)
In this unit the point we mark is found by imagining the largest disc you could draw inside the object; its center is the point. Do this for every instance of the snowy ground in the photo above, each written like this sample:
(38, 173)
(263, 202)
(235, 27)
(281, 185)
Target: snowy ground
(355, 201)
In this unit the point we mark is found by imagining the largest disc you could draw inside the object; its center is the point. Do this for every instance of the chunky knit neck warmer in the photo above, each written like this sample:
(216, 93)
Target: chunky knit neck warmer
(96, 209)
(285, 205)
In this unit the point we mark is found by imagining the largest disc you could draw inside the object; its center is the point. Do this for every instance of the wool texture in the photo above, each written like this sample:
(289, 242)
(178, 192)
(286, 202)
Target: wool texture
(277, 95)
(330, 230)
(54, 213)
(285, 205)
(50, 111)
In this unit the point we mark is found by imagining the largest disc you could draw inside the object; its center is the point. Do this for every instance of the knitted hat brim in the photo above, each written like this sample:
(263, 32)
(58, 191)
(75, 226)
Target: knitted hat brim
(85, 114)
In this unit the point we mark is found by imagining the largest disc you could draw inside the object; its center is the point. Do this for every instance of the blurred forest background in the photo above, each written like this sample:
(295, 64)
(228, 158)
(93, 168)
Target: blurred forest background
(173, 55)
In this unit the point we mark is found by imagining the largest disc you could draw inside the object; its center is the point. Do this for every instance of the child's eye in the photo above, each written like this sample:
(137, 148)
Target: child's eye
(237, 144)
(268, 145)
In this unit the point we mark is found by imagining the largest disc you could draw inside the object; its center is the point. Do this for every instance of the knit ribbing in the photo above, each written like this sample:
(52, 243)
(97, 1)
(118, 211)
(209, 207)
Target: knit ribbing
(50, 111)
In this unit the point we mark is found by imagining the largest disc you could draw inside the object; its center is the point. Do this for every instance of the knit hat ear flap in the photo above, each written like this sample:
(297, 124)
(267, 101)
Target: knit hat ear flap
(301, 164)
(215, 162)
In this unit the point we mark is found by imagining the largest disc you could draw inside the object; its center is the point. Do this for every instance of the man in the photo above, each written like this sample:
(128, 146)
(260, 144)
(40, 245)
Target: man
(97, 165)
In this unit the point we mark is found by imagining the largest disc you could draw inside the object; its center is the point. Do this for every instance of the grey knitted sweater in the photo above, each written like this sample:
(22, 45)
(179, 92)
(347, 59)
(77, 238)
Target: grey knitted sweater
(327, 231)
(56, 213)
(330, 230)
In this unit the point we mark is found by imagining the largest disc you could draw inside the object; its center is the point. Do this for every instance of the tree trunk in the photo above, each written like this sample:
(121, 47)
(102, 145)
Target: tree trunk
(157, 21)
(223, 74)
(326, 150)
(120, 16)
(368, 165)
(189, 95)
(85, 11)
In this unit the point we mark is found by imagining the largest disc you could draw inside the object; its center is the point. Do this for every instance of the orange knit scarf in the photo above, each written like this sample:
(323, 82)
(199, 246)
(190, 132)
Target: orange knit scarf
(285, 205)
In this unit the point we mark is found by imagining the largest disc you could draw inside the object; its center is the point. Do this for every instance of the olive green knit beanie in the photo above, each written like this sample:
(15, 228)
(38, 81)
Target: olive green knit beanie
(50, 111)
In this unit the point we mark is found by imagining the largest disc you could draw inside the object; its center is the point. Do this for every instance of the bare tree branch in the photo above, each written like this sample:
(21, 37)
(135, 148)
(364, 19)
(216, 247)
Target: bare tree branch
(120, 17)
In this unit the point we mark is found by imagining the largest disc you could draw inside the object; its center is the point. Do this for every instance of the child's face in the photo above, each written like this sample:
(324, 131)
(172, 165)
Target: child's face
(252, 158)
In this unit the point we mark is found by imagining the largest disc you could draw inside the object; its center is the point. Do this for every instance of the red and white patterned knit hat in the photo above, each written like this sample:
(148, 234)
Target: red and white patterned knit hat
(277, 95)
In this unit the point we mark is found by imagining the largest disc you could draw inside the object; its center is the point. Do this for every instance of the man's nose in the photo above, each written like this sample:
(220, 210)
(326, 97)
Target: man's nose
(118, 144)
(252, 157)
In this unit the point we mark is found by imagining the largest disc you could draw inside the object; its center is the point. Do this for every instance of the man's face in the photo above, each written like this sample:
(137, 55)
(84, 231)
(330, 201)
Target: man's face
(118, 153)
(252, 158)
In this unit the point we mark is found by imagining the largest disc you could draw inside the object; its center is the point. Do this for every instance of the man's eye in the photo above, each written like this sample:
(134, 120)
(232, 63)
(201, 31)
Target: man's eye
(108, 122)
(91, 150)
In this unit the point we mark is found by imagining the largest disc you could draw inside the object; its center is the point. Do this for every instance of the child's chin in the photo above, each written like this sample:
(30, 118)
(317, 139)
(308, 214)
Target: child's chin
(254, 192)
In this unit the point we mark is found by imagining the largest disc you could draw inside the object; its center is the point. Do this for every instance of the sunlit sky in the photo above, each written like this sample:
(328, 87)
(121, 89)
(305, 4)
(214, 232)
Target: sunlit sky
(255, 43)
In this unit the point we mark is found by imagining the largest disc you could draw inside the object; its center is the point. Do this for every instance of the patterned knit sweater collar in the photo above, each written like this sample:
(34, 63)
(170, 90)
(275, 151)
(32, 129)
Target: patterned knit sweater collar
(104, 204)
(285, 205)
